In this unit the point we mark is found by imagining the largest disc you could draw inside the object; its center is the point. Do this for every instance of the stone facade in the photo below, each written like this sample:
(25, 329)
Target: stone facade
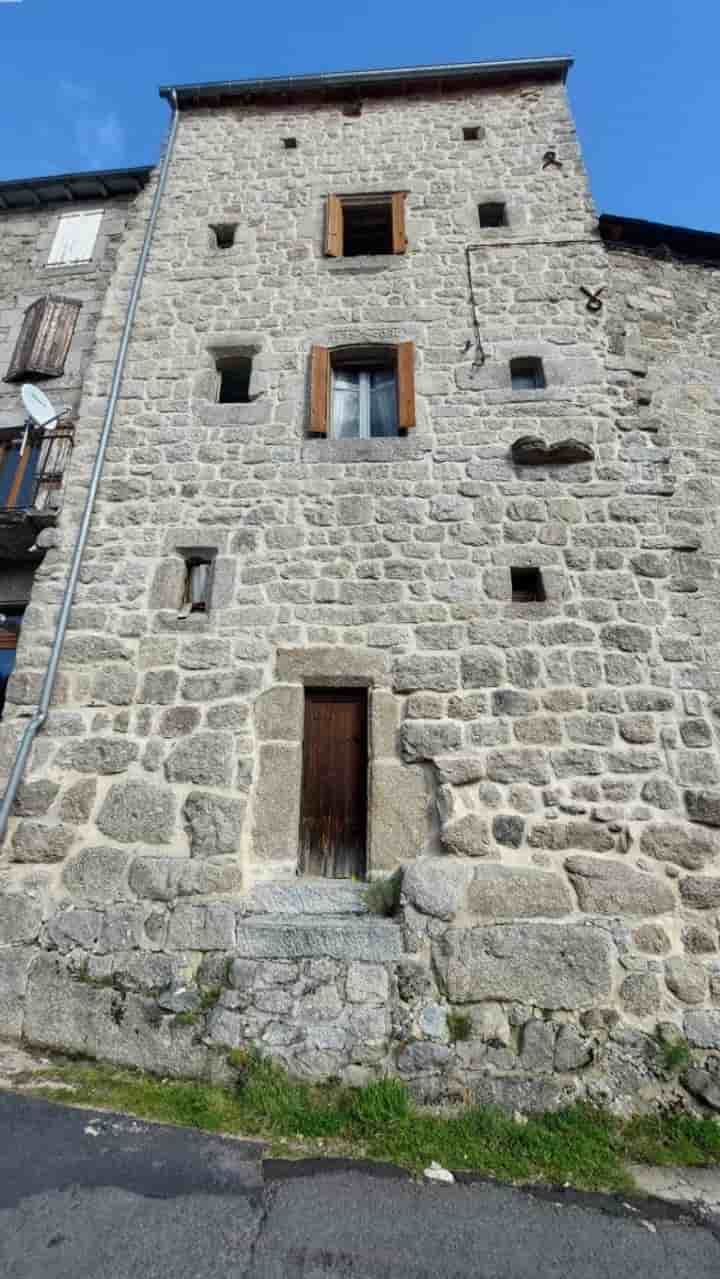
(30, 213)
(543, 774)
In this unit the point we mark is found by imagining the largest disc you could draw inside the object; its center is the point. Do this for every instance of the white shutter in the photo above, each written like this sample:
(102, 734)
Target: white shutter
(75, 238)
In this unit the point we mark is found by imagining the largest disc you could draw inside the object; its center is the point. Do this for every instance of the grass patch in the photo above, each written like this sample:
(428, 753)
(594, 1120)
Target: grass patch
(459, 1026)
(674, 1056)
(583, 1146)
(382, 896)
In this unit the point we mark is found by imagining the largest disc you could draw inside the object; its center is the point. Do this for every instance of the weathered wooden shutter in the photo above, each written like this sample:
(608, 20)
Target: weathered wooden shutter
(333, 227)
(75, 238)
(406, 384)
(319, 389)
(44, 339)
(399, 238)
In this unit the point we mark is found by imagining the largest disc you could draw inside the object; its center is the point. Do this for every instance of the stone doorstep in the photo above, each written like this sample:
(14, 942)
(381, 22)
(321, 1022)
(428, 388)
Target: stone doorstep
(313, 897)
(369, 940)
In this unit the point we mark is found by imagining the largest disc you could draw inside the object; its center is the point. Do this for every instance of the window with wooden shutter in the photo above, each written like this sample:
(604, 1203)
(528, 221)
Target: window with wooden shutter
(406, 385)
(359, 225)
(333, 227)
(399, 237)
(319, 389)
(44, 339)
(75, 238)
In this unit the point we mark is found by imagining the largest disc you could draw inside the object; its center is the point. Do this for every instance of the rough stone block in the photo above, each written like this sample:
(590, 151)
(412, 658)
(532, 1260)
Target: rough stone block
(279, 713)
(306, 897)
(703, 806)
(640, 994)
(424, 739)
(373, 941)
(277, 802)
(607, 887)
(686, 979)
(437, 886)
(213, 822)
(20, 918)
(549, 965)
(467, 836)
(482, 668)
(435, 672)
(701, 892)
(104, 755)
(518, 766)
(138, 811)
(15, 964)
(538, 1045)
(400, 816)
(338, 666)
(33, 799)
(513, 892)
(76, 804)
(204, 759)
(39, 842)
(702, 1029)
(666, 842)
(97, 875)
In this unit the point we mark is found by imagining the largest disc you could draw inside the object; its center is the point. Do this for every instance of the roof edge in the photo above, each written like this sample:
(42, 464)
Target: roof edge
(69, 188)
(381, 77)
(639, 233)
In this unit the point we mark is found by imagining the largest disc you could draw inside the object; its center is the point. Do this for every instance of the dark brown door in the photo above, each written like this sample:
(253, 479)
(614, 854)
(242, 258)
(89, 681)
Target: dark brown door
(333, 818)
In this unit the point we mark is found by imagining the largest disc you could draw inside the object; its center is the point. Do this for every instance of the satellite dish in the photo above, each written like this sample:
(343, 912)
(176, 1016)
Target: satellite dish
(38, 406)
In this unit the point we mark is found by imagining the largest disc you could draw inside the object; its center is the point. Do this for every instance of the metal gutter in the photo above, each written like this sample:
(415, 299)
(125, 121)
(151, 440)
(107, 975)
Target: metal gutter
(382, 77)
(40, 715)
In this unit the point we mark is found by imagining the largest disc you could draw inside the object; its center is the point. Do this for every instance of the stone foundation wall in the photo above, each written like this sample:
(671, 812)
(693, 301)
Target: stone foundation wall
(553, 765)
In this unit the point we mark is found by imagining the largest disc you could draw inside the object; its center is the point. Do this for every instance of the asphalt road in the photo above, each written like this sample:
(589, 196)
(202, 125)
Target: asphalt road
(96, 1196)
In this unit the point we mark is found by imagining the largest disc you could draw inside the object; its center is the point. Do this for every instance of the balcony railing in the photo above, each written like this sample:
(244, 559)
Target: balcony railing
(32, 471)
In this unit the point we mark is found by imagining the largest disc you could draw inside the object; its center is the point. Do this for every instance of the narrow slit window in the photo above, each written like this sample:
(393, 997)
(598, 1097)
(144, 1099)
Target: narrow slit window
(225, 234)
(472, 133)
(527, 586)
(196, 595)
(527, 374)
(290, 144)
(493, 213)
(234, 381)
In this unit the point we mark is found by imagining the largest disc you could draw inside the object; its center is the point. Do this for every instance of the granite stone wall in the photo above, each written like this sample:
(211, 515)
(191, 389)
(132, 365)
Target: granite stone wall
(543, 774)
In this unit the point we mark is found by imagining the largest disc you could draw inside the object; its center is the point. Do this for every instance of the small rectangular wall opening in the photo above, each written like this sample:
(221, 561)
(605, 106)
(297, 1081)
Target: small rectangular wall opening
(333, 812)
(492, 213)
(225, 234)
(527, 374)
(472, 133)
(234, 381)
(290, 144)
(527, 586)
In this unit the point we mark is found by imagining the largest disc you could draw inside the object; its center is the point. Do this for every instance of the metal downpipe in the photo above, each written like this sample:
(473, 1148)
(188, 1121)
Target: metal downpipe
(40, 715)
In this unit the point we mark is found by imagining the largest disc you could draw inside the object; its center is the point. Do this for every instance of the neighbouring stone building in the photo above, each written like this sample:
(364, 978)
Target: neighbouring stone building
(59, 237)
(404, 563)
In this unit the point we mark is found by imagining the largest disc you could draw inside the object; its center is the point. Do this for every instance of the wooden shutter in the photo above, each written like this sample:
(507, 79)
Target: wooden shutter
(44, 339)
(319, 389)
(406, 384)
(75, 238)
(399, 238)
(333, 227)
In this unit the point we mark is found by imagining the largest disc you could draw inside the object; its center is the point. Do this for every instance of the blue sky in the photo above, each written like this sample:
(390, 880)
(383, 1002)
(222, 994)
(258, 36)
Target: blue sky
(80, 78)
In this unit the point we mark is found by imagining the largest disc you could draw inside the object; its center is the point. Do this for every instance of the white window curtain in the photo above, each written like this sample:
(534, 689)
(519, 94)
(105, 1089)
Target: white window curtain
(75, 238)
(364, 403)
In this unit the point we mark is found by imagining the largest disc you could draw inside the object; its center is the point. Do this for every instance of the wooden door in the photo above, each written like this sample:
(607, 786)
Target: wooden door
(333, 817)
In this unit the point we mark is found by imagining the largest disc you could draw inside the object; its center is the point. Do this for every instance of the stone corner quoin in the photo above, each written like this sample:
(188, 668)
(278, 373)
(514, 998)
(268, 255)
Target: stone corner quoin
(489, 634)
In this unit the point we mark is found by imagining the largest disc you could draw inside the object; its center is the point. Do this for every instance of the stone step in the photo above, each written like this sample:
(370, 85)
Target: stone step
(371, 939)
(307, 897)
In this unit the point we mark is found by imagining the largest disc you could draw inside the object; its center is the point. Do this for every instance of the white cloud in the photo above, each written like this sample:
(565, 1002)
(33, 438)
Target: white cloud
(98, 134)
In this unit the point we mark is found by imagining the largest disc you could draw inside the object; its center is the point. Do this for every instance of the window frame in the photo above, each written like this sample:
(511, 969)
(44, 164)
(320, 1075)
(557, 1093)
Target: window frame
(367, 361)
(401, 354)
(335, 206)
